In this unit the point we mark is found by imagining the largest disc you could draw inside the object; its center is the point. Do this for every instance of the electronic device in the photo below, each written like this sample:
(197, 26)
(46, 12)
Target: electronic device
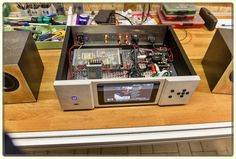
(109, 66)
(105, 17)
(218, 62)
(23, 68)
(196, 22)
(209, 18)
(82, 19)
(178, 17)
(179, 8)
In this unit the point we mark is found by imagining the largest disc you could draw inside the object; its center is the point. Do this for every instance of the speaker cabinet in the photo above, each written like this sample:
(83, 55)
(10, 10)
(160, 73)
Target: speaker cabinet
(218, 62)
(23, 67)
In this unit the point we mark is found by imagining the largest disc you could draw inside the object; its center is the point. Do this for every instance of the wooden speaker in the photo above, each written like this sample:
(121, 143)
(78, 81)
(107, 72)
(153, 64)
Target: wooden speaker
(218, 62)
(23, 67)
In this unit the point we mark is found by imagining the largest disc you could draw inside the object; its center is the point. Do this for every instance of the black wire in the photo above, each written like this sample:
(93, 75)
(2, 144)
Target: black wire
(144, 7)
(185, 36)
(124, 17)
(135, 71)
(149, 8)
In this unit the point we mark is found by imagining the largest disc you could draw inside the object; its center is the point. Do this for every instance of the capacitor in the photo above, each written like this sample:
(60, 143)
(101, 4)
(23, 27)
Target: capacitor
(157, 68)
(142, 56)
(153, 69)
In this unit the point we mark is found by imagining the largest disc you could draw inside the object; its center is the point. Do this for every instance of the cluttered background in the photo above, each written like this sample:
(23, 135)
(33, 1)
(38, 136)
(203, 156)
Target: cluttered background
(48, 21)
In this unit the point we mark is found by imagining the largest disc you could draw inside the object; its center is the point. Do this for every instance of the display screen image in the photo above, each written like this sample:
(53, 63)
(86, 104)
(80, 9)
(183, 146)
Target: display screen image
(127, 93)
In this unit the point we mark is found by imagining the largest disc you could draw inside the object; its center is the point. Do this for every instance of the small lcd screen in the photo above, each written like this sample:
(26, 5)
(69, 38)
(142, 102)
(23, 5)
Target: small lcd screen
(127, 93)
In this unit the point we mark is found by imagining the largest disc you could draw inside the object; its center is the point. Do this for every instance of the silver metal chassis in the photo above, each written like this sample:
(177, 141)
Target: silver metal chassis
(86, 91)
(120, 136)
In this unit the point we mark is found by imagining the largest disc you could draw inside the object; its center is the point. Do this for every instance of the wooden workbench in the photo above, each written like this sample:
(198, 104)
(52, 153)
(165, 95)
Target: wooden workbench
(47, 115)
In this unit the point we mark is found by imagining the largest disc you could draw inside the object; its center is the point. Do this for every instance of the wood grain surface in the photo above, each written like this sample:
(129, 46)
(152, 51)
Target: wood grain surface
(213, 7)
(46, 114)
(224, 85)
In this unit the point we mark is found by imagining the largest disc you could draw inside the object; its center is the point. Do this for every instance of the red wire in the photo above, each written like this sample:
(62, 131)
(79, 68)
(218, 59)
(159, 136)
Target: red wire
(171, 54)
(134, 45)
(69, 60)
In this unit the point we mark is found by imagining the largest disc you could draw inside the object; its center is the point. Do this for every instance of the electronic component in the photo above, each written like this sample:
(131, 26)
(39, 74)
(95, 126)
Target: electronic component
(157, 68)
(105, 71)
(209, 18)
(153, 69)
(108, 56)
(80, 38)
(94, 71)
(151, 38)
(135, 38)
(110, 62)
(105, 17)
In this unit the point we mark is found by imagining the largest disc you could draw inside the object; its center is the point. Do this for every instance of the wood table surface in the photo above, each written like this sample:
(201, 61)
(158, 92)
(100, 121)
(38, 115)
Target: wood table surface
(47, 115)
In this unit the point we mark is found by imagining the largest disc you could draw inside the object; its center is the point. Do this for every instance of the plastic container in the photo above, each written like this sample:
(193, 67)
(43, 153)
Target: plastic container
(179, 8)
(177, 17)
(197, 22)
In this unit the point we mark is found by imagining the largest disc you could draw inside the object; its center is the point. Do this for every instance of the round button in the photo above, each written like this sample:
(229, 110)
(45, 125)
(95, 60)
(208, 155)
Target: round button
(187, 93)
(184, 90)
(170, 96)
(172, 91)
(178, 93)
(181, 96)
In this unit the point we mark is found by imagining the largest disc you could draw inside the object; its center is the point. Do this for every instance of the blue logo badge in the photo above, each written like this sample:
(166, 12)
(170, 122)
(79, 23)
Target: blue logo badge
(74, 98)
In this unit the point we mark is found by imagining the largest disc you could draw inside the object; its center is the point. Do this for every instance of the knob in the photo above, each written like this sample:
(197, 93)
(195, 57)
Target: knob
(134, 38)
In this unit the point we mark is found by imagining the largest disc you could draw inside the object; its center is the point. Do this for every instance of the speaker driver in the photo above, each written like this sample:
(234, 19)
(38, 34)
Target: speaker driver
(10, 83)
(231, 77)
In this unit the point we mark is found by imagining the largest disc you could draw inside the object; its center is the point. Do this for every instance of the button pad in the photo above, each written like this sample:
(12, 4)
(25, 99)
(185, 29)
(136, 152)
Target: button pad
(181, 93)
(181, 86)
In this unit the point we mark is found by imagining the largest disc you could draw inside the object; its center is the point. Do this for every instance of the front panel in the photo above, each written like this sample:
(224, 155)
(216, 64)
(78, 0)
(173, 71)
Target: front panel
(78, 95)
(74, 96)
(178, 90)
